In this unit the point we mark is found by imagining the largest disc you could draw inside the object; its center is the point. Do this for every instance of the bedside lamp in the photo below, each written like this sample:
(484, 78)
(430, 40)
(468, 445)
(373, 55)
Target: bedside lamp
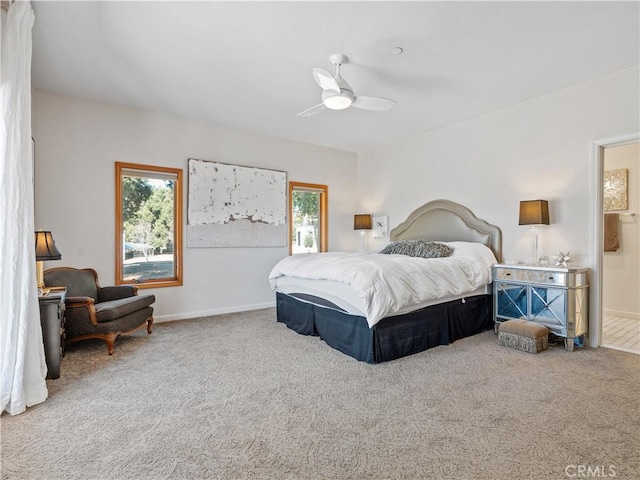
(45, 250)
(362, 222)
(534, 213)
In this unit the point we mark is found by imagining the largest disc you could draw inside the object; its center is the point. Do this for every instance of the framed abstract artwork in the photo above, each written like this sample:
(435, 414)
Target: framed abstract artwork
(236, 206)
(615, 190)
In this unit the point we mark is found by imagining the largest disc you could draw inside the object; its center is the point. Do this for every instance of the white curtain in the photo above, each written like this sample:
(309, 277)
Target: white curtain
(21, 351)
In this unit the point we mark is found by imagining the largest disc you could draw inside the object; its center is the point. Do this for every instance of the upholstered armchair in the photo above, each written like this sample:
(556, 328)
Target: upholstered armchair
(92, 311)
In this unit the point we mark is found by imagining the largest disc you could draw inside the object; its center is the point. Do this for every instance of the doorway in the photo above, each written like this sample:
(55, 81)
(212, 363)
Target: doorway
(597, 231)
(620, 271)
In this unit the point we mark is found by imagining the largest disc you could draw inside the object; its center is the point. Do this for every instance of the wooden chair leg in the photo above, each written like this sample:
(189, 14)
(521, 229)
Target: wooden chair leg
(111, 340)
(149, 322)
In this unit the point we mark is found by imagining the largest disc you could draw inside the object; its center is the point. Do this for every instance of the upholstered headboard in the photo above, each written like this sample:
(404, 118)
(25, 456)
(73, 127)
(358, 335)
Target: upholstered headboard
(446, 221)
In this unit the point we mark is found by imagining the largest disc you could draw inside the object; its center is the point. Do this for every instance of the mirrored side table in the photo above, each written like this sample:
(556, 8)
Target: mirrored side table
(556, 297)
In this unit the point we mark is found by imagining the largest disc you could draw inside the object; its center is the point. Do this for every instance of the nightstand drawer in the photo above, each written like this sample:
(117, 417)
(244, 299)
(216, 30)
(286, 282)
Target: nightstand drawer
(531, 276)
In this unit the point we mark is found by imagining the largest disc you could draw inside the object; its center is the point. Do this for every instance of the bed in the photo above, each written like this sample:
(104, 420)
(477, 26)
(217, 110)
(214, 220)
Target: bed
(334, 310)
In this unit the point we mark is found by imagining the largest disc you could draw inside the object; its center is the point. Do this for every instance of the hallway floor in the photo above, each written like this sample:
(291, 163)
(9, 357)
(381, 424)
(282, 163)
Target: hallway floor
(621, 333)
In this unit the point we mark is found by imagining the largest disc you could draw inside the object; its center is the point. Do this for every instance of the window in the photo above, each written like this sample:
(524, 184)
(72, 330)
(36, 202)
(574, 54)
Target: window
(148, 225)
(308, 214)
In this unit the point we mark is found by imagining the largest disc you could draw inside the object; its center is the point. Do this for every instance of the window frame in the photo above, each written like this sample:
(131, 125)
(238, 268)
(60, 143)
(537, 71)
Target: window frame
(323, 190)
(176, 280)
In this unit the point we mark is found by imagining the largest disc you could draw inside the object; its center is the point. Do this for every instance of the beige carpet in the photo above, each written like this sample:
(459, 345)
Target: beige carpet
(240, 396)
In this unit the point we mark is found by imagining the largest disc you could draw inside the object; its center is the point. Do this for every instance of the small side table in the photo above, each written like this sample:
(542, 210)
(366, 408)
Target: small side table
(53, 334)
(556, 297)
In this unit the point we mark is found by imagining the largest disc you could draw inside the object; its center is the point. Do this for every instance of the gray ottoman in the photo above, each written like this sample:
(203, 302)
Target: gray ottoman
(522, 335)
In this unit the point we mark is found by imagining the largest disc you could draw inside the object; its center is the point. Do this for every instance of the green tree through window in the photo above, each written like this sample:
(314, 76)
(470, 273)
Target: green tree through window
(308, 214)
(149, 225)
(306, 211)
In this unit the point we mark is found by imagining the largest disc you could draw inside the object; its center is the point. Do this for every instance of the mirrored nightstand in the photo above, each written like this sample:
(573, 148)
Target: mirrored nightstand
(556, 297)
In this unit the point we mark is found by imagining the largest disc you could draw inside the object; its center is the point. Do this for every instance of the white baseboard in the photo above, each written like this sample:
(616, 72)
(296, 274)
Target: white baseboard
(207, 313)
(618, 313)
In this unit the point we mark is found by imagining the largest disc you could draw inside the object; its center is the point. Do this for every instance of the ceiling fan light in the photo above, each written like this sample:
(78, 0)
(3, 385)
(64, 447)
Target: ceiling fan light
(336, 101)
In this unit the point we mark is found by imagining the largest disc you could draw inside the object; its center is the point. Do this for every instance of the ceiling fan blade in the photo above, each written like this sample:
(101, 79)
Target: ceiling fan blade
(373, 103)
(325, 79)
(312, 111)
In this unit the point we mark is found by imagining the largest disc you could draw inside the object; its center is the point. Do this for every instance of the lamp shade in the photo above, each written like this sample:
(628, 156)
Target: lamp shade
(46, 247)
(534, 212)
(362, 221)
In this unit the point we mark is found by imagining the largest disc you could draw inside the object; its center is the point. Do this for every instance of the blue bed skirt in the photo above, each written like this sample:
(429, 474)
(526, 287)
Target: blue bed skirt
(392, 337)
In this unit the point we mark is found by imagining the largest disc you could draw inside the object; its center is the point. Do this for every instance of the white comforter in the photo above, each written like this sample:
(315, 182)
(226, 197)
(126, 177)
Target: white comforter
(389, 283)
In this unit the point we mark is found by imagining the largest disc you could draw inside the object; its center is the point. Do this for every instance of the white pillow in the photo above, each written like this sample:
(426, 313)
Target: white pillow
(475, 250)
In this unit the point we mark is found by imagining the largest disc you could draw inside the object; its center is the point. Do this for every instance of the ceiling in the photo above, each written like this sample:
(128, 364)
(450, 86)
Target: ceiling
(247, 65)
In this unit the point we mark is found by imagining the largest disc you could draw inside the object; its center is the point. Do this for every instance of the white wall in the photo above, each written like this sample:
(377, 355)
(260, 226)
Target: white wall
(621, 269)
(538, 149)
(77, 143)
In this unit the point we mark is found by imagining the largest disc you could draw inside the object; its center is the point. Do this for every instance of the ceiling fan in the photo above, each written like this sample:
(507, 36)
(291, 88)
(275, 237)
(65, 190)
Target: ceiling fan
(338, 95)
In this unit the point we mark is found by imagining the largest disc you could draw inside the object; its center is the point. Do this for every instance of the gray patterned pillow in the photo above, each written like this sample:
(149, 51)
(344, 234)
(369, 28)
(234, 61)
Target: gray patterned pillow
(418, 248)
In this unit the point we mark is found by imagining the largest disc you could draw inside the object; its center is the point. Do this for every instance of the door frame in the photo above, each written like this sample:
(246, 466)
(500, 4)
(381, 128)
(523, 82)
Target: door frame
(597, 230)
